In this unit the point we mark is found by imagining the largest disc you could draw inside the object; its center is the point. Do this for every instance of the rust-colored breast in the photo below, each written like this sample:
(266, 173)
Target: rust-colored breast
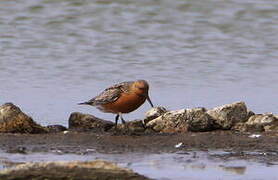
(126, 103)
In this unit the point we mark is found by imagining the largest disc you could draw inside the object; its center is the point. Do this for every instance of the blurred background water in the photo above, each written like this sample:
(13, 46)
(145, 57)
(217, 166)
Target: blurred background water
(56, 53)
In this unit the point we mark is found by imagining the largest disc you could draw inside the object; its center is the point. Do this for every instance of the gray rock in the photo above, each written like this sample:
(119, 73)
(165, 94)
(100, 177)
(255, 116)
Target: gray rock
(86, 122)
(13, 120)
(91, 170)
(228, 115)
(262, 119)
(243, 127)
(170, 122)
(269, 122)
(154, 113)
(198, 120)
(258, 123)
(273, 126)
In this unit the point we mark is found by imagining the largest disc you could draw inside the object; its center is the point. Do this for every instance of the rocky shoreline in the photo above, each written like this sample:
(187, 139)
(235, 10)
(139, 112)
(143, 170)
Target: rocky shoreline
(235, 116)
(230, 127)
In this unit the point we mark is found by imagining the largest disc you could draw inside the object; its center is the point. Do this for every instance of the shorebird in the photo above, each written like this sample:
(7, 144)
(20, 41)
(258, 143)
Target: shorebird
(121, 98)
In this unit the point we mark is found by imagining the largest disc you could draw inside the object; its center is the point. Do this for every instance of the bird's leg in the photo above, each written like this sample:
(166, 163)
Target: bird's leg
(116, 119)
(123, 121)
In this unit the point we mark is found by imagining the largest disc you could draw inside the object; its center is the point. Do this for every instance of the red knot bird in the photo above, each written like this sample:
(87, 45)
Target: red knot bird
(122, 98)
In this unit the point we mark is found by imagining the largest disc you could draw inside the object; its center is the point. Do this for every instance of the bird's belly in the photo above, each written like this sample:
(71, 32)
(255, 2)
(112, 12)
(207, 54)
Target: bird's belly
(125, 104)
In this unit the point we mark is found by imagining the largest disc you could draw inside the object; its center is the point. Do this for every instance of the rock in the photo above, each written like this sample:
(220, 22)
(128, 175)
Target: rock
(91, 170)
(228, 115)
(272, 127)
(86, 122)
(243, 127)
(250, 113)
(13, 120)
(154, 113)
(262, 119)
(170, 122)
(198, 120)
(130, 127)
(258, 123)
(182, 121)
(269, 122)
(56, 128)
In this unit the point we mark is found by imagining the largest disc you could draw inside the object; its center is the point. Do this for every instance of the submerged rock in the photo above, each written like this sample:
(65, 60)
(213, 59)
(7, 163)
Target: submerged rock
(91, 170)
(86, 122)
(13, 120)
(228, 115)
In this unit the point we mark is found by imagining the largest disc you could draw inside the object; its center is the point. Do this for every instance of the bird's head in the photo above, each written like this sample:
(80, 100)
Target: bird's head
(141, 87)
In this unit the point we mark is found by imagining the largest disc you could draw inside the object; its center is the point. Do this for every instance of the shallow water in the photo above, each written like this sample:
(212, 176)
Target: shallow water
(56, 53)
(186, 165)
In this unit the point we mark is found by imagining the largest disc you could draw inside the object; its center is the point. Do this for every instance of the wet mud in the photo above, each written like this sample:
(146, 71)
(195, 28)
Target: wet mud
(240, 145)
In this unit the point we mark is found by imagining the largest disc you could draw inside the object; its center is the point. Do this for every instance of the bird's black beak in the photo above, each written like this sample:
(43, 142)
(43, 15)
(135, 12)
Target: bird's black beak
(149, 100)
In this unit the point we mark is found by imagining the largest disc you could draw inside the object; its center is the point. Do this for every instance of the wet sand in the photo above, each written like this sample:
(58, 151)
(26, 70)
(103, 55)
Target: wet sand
(265, 146)
(203, 155)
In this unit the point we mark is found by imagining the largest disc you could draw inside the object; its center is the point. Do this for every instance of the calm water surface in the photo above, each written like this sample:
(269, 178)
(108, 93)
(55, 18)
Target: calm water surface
(56, 53)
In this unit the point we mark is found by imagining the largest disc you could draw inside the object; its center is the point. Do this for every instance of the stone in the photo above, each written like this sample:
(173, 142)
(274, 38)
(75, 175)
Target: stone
(134, 127)
(243, 127)
(262, 119)
(170, 122)
(86, 122)
(268, 121)
(228, 115)
(154, 113)
(198, 120)
(90, 170)
(258, 123)
(13, 120)
(56, 128)
(272, 127)
(250, 113)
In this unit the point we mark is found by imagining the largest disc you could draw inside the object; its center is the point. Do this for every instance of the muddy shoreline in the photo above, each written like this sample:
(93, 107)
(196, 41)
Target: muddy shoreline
(187, 138)
(238, 144)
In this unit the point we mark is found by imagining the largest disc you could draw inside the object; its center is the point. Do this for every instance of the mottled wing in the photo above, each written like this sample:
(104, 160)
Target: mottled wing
(110, 94)
(123, 86)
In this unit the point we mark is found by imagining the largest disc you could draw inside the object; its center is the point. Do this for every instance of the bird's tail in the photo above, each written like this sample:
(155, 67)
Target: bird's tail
(84, 103)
